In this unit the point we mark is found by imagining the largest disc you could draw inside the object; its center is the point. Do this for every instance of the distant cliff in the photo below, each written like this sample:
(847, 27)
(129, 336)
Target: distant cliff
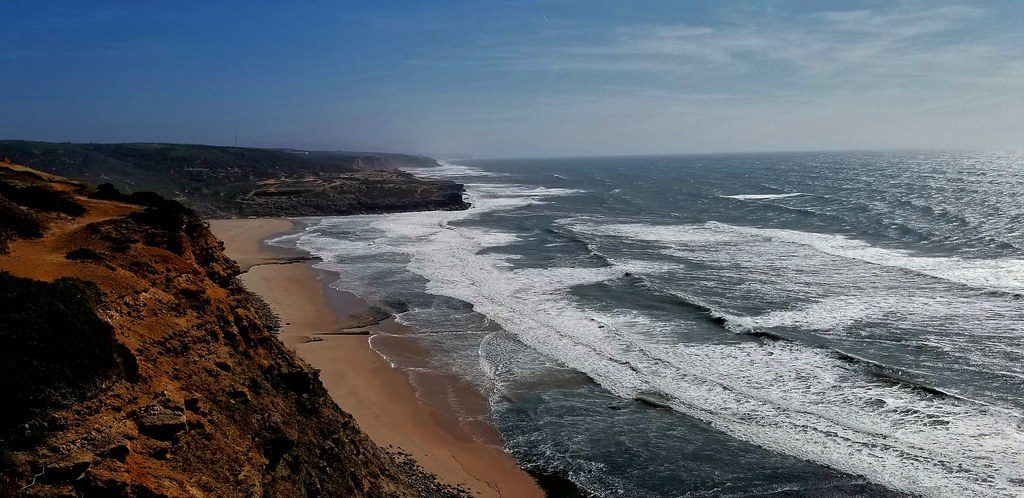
(240, 181)
(132, 363)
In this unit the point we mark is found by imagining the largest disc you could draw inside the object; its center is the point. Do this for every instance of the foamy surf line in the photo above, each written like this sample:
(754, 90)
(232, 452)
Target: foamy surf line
(762, 197)
(784, 397)
(447, 169)
(1004, 274)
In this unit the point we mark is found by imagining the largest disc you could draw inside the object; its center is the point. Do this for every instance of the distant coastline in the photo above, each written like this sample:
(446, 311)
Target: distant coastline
(232, 182)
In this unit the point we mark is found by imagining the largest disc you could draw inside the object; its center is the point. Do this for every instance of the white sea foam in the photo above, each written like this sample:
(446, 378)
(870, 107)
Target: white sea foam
(451, 170)
(497, 192)
(1001, 274)
(761, 197)
(835, 313)
(785, 397)
(1004, 274)
(493, 238)
(814, 291)
(321, 245)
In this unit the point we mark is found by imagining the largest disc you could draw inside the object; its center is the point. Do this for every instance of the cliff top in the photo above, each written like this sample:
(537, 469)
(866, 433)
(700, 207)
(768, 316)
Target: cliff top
(135, 364)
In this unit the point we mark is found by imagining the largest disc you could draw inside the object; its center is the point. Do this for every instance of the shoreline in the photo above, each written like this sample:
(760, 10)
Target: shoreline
(339, 334)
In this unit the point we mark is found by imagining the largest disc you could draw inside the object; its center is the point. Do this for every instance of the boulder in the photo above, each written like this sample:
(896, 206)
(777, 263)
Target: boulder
(162, 421)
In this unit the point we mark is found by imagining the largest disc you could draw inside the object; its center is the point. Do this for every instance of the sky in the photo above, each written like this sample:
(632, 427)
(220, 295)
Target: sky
(517, 78)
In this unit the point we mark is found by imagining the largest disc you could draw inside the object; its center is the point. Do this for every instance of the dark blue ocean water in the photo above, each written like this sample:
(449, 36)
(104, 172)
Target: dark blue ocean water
(822, 324)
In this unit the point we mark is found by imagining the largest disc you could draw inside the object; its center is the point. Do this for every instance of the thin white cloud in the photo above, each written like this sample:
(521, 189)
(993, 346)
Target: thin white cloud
(938, 77)
(944, 43)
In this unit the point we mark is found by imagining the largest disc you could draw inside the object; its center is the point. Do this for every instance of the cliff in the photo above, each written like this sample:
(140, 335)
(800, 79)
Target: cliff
(241, 181)
(132, 363)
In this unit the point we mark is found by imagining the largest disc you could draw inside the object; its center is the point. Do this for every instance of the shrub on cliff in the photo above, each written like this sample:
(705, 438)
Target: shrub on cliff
(41, 198)
(160, 212)
(83, 254)
(107, 191)
(16, 221)
(168, 215)
(54, 349)
(169, 220)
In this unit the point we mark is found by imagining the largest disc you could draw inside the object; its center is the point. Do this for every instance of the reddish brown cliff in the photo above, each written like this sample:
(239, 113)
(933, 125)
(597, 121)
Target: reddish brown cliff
(147, 370)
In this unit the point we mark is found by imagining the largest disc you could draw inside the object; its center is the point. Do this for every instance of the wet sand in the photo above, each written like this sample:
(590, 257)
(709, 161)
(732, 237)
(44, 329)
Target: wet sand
(334, 331)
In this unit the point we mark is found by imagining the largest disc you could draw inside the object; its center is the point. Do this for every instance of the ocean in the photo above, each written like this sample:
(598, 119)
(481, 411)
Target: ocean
(723, 325)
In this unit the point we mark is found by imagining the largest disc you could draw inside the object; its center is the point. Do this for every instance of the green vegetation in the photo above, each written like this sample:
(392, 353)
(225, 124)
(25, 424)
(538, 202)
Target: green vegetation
(41, 198)
(167, 215)
(83, 254)
(232, 181)
(108, 192)
(17, 200)
(160, 212)
(170, 168)
(16, 221)
(54, 349)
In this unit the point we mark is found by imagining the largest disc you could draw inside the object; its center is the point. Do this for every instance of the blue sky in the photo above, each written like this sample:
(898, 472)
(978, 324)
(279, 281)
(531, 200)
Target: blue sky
(519, 78)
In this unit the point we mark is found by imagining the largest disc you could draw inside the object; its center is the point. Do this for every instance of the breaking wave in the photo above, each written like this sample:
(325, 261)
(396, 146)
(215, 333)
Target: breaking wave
(762, 197)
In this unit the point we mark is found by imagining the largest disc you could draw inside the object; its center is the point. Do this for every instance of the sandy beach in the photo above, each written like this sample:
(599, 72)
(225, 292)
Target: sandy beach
(333, 332)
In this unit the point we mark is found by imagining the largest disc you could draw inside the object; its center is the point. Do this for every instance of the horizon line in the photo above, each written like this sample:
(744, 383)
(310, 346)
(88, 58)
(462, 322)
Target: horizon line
(455, 158)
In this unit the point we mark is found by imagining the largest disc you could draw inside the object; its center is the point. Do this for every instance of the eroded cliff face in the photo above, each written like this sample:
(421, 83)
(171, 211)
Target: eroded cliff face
(189, 394)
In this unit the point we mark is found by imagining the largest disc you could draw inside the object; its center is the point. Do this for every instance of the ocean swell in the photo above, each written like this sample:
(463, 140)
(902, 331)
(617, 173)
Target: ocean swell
(783, 396)
(807, 402)
(1001, 274)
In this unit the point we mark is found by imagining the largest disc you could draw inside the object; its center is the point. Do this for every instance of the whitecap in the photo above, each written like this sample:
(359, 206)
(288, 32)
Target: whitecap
(762, 197)
(785, 397)
(447, 169)
(1003, 274)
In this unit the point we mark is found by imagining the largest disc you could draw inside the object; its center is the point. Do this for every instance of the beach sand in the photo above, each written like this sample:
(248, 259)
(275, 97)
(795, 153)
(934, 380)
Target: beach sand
(328, 329)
